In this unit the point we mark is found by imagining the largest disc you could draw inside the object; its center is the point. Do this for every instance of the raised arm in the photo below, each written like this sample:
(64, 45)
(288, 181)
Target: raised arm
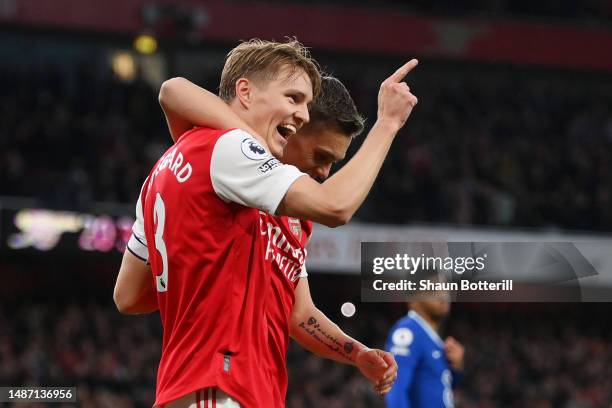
(186, 105)
(335, 201)
(318, 334)
(273, 188)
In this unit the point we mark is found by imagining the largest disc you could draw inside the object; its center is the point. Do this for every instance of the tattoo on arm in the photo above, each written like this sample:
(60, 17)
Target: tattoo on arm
(313, 328)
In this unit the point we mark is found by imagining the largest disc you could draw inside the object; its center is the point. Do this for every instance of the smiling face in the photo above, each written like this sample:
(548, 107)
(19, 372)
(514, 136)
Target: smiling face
(277, 108)
(269, 85)
(315, 148)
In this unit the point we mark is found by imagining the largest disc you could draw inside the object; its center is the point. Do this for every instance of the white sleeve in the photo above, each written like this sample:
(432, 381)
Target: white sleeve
(137, 244)
(242, 171)
(303, 272)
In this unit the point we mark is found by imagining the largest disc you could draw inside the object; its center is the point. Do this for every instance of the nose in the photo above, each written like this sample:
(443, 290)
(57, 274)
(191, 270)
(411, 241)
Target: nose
(322, 172)
(302, 114)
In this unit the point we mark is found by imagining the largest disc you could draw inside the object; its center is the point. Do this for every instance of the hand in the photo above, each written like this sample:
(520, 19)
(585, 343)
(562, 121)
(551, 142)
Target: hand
(454, 353)
(379, 367)
(395, 102)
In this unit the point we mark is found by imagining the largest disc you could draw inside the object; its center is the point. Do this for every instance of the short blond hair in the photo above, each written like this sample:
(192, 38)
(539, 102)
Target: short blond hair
(262, 60)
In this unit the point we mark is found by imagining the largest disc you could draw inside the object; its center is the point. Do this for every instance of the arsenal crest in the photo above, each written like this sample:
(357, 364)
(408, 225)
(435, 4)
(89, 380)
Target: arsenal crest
(296, 227)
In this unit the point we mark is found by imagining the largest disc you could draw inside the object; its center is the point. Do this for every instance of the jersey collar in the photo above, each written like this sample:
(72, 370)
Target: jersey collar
(427, 327)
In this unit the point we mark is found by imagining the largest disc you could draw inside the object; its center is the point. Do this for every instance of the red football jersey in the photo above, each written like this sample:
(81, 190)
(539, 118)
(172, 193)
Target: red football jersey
(200, 206)
(286, 251)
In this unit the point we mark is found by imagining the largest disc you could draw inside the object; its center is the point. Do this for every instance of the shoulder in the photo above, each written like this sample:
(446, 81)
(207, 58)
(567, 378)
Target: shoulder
(405, 323)
(207, 135)
(204, 131)
(238, 142)
(403, 336)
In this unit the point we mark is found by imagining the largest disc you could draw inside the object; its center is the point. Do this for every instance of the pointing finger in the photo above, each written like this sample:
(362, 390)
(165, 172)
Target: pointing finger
(398, 75)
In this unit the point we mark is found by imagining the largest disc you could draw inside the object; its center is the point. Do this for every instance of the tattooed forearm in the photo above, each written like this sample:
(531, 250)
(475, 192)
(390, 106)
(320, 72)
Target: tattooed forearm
(313, 328)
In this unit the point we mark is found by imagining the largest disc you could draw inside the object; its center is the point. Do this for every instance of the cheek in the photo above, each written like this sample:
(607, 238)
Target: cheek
(263, 104)
(256, 107)
(274, 109)
(282, 106)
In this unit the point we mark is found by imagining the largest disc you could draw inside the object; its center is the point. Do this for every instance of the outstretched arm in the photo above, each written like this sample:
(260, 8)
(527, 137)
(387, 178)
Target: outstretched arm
(334, 202)
(186, 105)
(318, 334)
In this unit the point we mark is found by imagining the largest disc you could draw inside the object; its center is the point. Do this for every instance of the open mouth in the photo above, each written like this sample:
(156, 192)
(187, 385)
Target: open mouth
(286, 130)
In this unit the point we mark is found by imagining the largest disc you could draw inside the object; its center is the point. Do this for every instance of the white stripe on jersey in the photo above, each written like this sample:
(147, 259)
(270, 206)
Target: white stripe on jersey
(137, 244)
(206, 398)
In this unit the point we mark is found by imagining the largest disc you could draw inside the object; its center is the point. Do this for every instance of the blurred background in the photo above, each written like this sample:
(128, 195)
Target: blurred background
(512, 134)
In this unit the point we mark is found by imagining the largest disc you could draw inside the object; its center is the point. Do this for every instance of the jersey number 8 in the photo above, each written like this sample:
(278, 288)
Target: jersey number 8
(159, 217)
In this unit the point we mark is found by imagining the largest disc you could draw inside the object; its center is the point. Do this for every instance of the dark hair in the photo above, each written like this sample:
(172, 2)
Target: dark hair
(334, 106)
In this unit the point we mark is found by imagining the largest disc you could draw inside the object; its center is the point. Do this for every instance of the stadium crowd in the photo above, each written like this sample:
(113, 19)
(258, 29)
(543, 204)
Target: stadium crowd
(589, 10)
(495, 146)
(524, 360)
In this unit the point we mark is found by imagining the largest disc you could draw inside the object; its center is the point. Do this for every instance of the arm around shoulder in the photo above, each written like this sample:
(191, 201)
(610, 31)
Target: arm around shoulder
(187, 105)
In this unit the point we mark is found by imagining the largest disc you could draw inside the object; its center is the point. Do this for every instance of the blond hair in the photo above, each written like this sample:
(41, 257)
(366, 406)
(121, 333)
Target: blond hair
(261, 60)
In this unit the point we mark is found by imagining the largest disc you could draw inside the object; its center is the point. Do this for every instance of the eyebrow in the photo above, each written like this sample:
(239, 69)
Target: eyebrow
(299, 94)
(328, 153)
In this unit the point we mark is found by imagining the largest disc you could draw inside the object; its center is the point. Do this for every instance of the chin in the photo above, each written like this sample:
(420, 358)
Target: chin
(278, 148)
(277, 151)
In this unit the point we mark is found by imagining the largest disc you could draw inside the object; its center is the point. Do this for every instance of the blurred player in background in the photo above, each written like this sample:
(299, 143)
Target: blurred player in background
(428, 367)
(228, 334)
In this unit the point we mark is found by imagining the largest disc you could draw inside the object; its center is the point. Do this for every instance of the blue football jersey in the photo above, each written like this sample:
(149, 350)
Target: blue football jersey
(424, 378)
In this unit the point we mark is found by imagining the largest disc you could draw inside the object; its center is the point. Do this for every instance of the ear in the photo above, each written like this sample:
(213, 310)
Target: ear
(244, 89)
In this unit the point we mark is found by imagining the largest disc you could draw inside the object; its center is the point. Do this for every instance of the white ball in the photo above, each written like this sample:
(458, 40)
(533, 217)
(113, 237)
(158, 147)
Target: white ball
(348, 309)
